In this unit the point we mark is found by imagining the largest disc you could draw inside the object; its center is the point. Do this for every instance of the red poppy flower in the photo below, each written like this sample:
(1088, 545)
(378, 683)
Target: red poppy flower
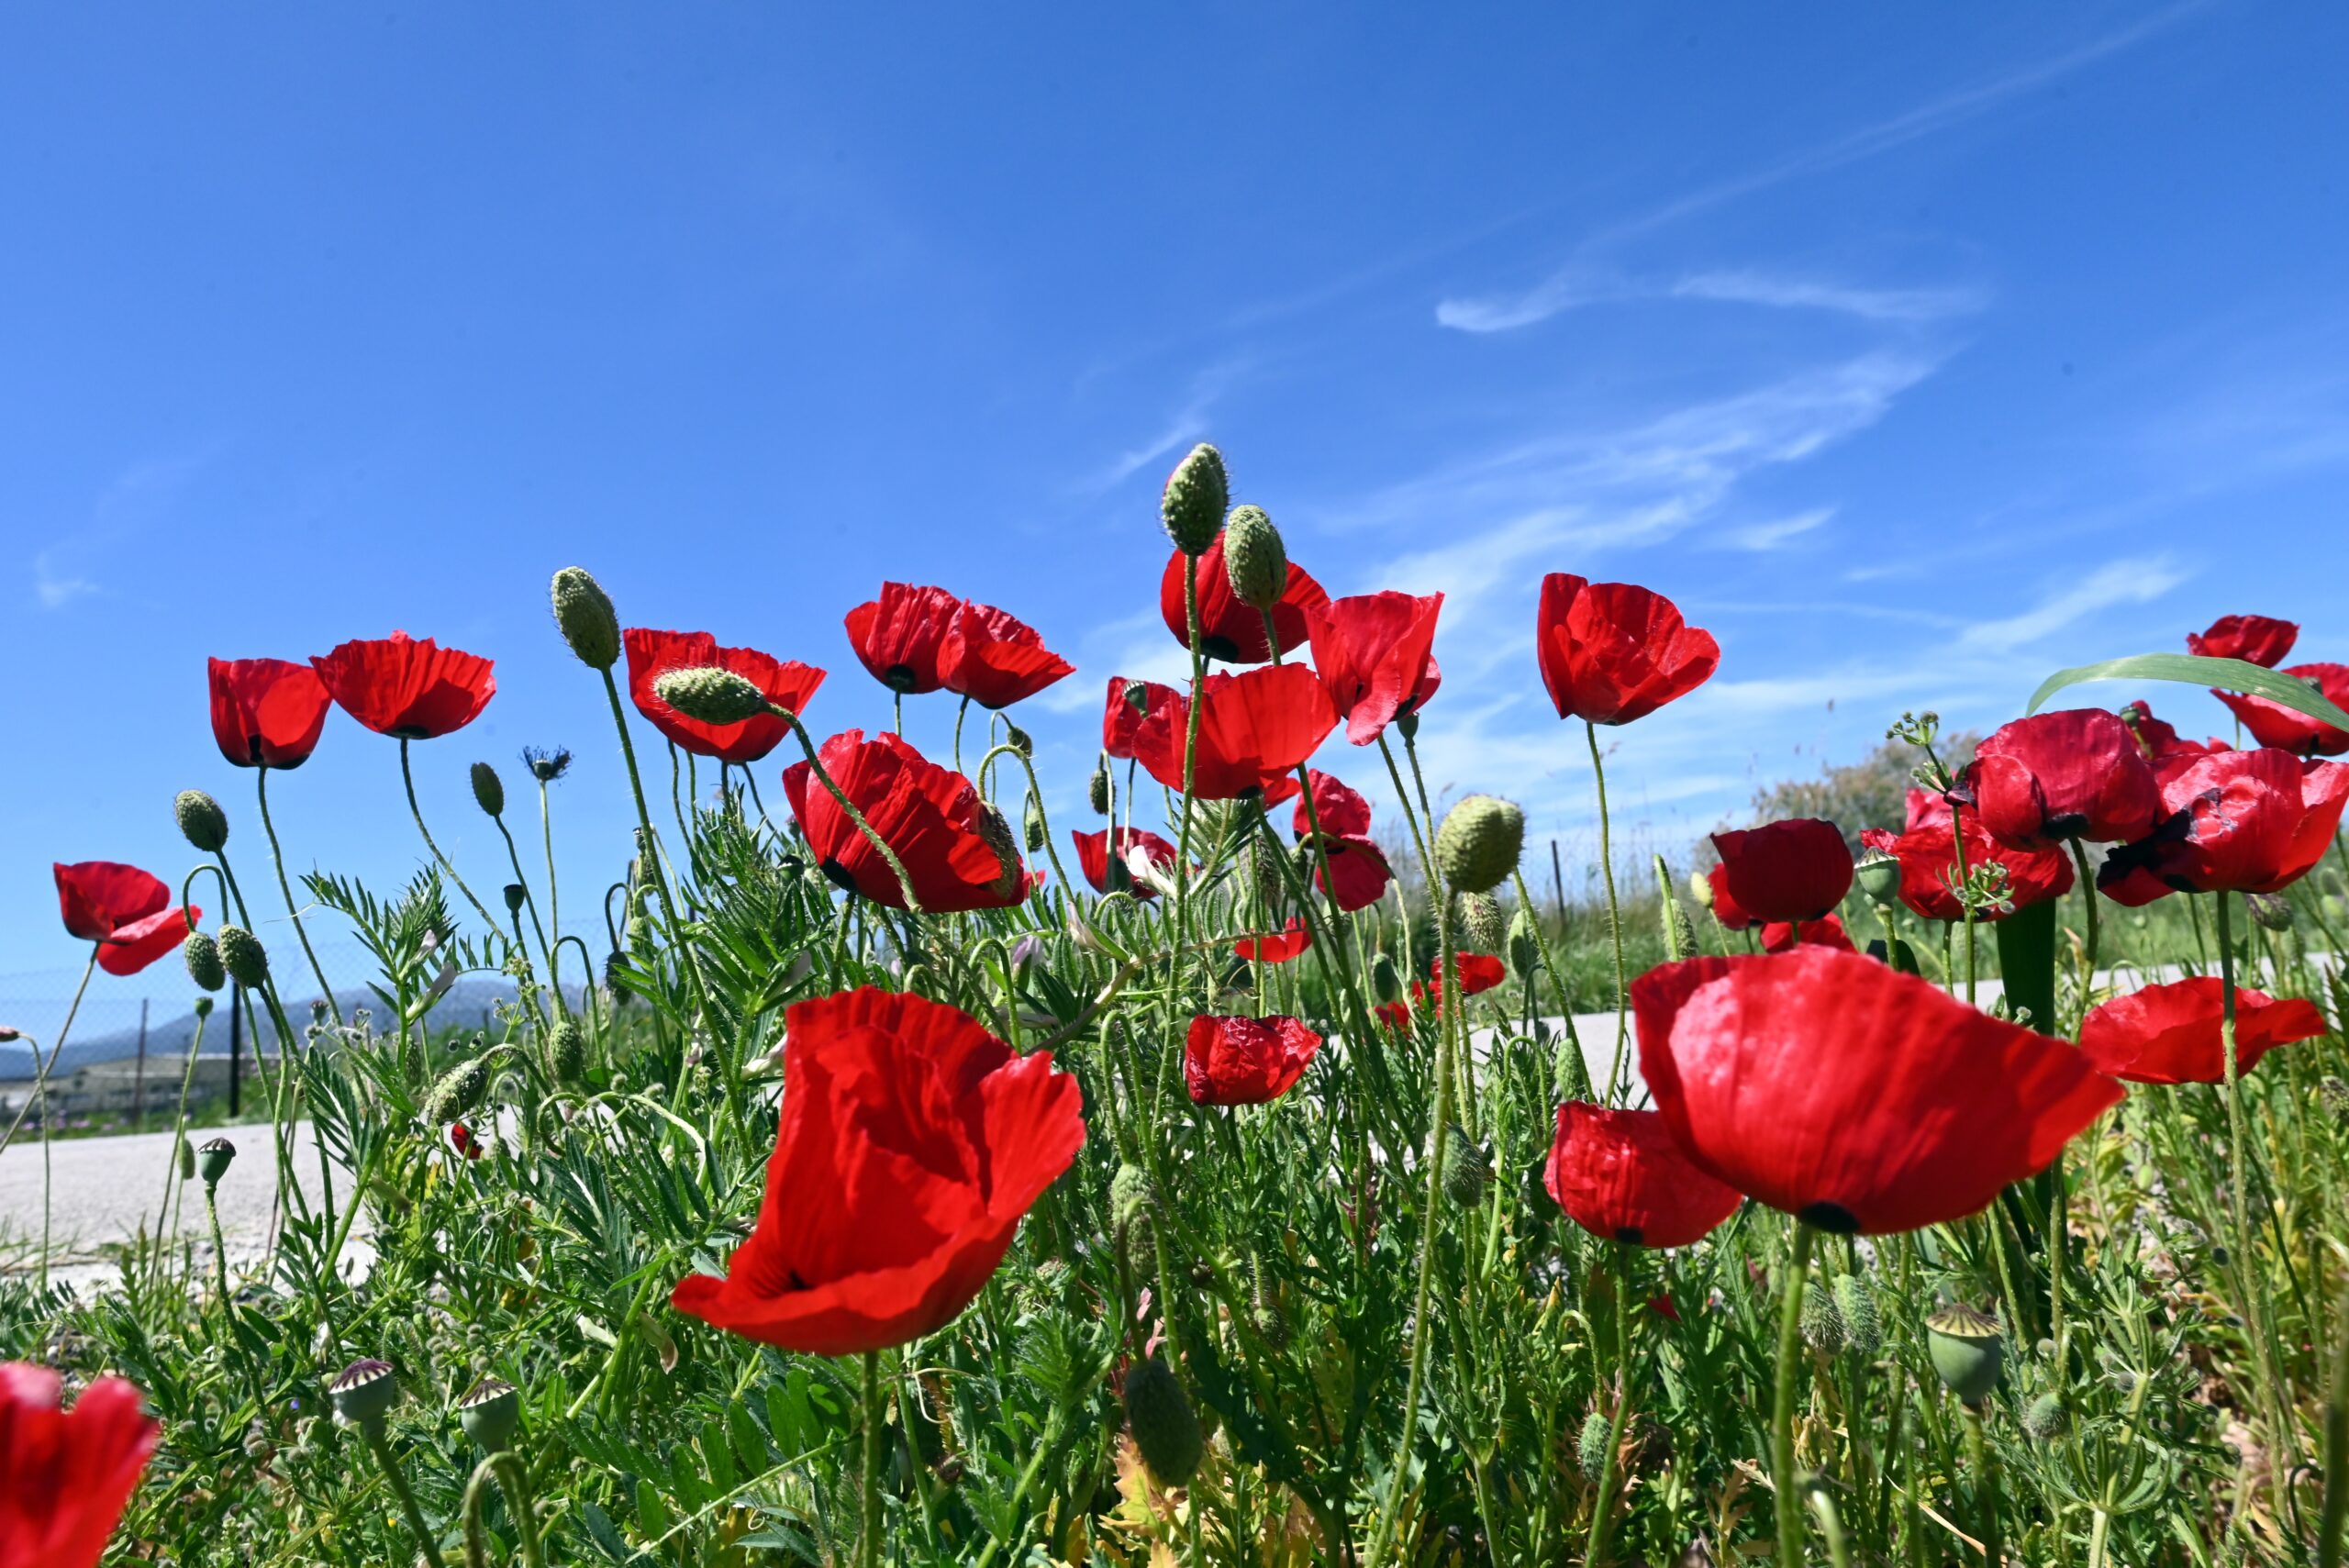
(1395, 1015)
(462, 1138)
(1372, 652)
(785, 682)
(911, 1142)
(1611, 653)
(2237, 822)
(1478, 973)
(1230, 629)
(409, 687)
(98, 898)
(1662, 1307)
(1794, 870)
(1245, 1062)
(2160, 741)
(1128, 704)
(898, 637)
(994, 659)
(2255, 639)
(2273, 724)
(1855, 1098)
(141, 942)
(1619, 1174)
(1253, 727)
(1358, 869)
(266, 713)
(957, 858)
(1280, 947)
(2170, 1034)
(1093, 859)
(1725, 906)
(1337, 807)
(65, 1476)
(1928, 855)
(1785, 936)
(2076, 773)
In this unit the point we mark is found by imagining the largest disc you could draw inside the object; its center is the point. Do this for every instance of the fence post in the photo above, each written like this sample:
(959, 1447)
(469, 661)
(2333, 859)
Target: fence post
(236, 1047)
(1558, 882)
(138, 1080)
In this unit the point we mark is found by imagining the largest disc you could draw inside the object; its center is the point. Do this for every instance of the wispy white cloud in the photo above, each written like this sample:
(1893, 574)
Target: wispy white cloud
(1785, 293)
(2129, 581)
(139, 496)
(1765, 537)
(55, 588)
(1186, 425)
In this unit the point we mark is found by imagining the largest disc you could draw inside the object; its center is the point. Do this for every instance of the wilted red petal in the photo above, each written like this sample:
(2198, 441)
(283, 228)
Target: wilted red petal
(1291, 939)
(899, 636)
(2273, 724)
(1621, 1175)
(1230, 629)
(98, 898)
(2076, 773)
(1253, 727)
(996, 659)
(409, 687)
(1794, 870)
(266, 712)
(1611, 653)
(135, 946)
(2171, 1034)
(1245, 1062)
(1372, 653)
(929, 816)
(1093, 858)
(2255, 639)
(787, 684)
(65, 1477)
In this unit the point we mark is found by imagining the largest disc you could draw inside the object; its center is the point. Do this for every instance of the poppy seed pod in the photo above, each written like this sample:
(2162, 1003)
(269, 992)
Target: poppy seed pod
(213, 1160)
(204, 1007)
(1480, 918)
(491, 1413)
(1966, 1351)
(363, 1393)
(201, 821)
(516, 896)
(1097, 789)
(203, 956)
(584, 614)
(1590, 1446)
(243, 955)
(1480, 843)
(1164, 1426)
(489, 790)
(1856, 1305)
(710, 694)
(1196, 495)
(1878, 875)
(1254, 560)
(460, 1089)
(567, 1052)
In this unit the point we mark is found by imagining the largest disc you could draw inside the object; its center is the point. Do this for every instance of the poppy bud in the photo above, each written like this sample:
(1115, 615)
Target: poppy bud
(1018, 739)
(258, 1448)
(213, 1160)
(1033, 826)
(1196, 495)
(1130, 1198)
(203, 956)
(1480, 843)
(567, 1052)
(363, 1393)
(201, 821)
(2045, 1418)
(1700, 888)
(491, 1413)
(1097, 789)
(1856, 1305)
(639, 933)
(1966, 1351)
(1385, 984)
(1679, 936)
(992, 826)
(460, 1089)
(1822, 1326)
(1480, 918)
(1590, 1447)
(1466, 1168)
(1253, 558)
(10, 1032)
(516, 894)
(2334, 1094)
(187, 1150)
(710, 694)
(2271, 911)
(489, 790)
(1164, 1426)
(584, 614)
(243, 955)
(204, 1007)
(1878, 876)
(1524, 945)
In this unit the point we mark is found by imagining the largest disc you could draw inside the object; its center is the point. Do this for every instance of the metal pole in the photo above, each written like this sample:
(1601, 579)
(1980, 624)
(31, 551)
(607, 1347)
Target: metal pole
(236, 1047)
(1558, 880)
(138, 1080)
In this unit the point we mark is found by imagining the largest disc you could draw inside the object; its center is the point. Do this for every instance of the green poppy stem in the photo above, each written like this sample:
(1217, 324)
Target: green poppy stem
(868, 1541)
(1782, 1412)
(301, 932)
(1614, 914)
(408, 777)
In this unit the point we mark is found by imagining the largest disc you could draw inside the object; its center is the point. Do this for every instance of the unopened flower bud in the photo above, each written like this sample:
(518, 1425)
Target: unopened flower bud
(1700, 888)
(638, 933)
(201, 821)
(1164, 1427)
(243, 955)
(1196, 495)
(1966, 1351)
(491, 1413)
(1878, 876)
(1480, 920)
(567, 1052)
(213, 1160)
(187, 1148)
(1033, 826)
(1018, 739)
(1130, 1199)
(1467, 1170)
(489, 790)
(458, 1090)
(1096, 789)
(710, 694)
(1679, 936)
(584, 614)
(1386, 981)
(2045, 1418)
(992, 826)
(1856, 1305)
(1480, 843)
(364, 1392)
(203, 957)
(1253, 558)
(1524, 945)
(1823, 1325)
(2271, 911)
(1590, 1446)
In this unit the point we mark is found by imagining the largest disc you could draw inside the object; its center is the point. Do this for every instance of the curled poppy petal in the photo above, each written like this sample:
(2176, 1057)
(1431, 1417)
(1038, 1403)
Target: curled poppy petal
(1830, 1086)
(1292, 939)
(1127, 705)
(1621, 1175)
(898, 636)
(1725, 907)
(785, 682)
(1230, 629)
(996, 659)
(1116, 876)
(2255, 639)
(1794, 870)
(2076, 773)
(1245, 1062)
(2273, 724)
(910, 1144)
(1358, 869)
(65, 1476)
(1783, 936)
(1253, 727)
(1612, 653)
(1372, 653)
(957, 857)
(409, 687)
(2236, 822)
(1478, 973)
(266, 713)
(135, 946)
(2171, 1034)
(98, 898)
(1337, 807)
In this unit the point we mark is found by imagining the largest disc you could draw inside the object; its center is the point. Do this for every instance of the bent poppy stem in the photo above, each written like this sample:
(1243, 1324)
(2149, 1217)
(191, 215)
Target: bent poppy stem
(961, 712)
(381, 1447)
(872, 836)
(301, 932)
(1782, 1411)
(1614, 913)
(1602, 1510)
(408, 777)
(2088, 892)
(511, 1478)
(868, 1541)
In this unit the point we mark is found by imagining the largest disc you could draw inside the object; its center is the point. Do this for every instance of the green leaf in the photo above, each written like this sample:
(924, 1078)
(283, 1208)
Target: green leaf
(2227, 674)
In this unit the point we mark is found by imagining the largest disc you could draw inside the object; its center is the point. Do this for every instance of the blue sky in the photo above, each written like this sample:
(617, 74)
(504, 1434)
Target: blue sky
(1914, 350)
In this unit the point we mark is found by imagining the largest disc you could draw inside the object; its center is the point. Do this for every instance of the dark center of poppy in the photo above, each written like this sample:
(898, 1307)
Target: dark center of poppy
(2069, 825)
(1831, 1217)
(791, 1280)
(837, 874)
(1221, 648)
(1628, 1234)
(409, 732)
(252, 747)
(900, 678)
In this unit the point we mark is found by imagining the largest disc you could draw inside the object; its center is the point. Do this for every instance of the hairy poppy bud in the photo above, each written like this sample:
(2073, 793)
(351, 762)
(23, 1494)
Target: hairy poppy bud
(584, 614)
(458, 1090)
(1823, 1325)
(2045, 1418)
(1679, 936)
(1385, 981)
(638, 933)
(1856, 1305)
(710, 694)
(2271, 911)
(516, 894)
(1196, 495)
(489, 790)
(203, 957)
(204, 1007)
(1700, 888)
(1590, 1447)
(1097, 789)
(1164, 1426)
(491, 1413)
(2334, 1094)
(213, 1160)
(567, 1052)
(1466, 1169)
(1130, 1199)
(1033, 826)
(243, 955)
(1018, 739)
(1480, 843)
(992, 826)
(1254, 560)
(1480, 918)
(363, 1393)
(201, 821)
(187, 1150)
(1524, 945)
(1967, 1353)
